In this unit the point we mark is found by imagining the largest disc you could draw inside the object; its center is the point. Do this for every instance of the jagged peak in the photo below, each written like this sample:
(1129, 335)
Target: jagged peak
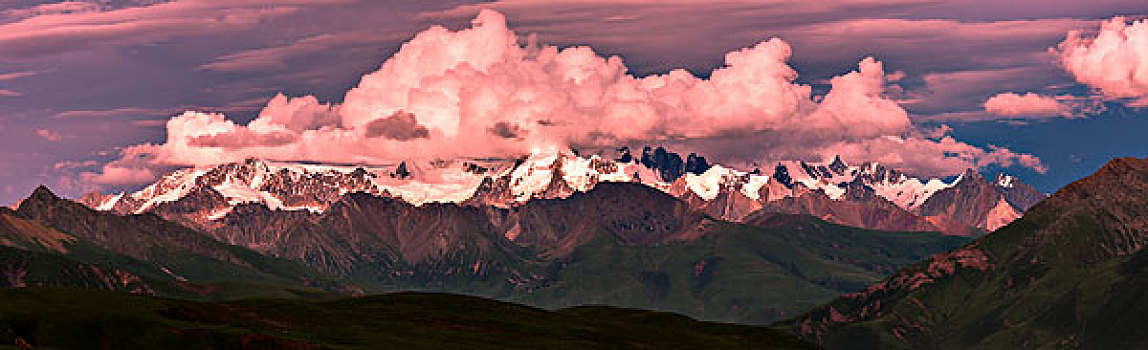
(837, 165)
(969, 176)
(42, 192)
(254, 161)
(401, 171)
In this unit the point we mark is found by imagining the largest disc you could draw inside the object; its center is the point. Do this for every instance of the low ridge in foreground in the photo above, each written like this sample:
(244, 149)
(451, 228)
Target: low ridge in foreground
(75, 319)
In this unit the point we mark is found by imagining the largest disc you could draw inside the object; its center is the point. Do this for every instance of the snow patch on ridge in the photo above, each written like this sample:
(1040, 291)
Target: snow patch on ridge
(448, 183)
(709, 184)
(909, 193)
(1005, 181)
(168, 189)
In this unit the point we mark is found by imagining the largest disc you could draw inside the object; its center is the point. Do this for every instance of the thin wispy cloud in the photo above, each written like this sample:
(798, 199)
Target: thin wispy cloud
(56, 31)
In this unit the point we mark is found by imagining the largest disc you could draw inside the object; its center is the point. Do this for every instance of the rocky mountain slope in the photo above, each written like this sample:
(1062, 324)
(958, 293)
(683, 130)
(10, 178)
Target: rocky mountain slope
(619, 243)
(53, 241)
(1071, 273)
(544, 250)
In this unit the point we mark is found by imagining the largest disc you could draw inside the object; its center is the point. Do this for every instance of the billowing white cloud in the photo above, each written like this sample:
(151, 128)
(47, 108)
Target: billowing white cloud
(477, 93)
(1115, 61)
(1011, 104)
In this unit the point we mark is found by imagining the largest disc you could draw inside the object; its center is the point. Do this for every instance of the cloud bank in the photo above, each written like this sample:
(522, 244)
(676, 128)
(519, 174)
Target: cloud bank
(1115, 61)
(477, 93)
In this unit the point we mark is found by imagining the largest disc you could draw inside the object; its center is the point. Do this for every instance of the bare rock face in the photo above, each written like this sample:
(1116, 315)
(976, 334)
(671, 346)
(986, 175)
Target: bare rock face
(257, 227)
(875, 213)
(631, 213)
(362, 229)
(668, 164)
(492, 192)
(973, 201)
(195, 209)
(1020, 195)
(92, 199)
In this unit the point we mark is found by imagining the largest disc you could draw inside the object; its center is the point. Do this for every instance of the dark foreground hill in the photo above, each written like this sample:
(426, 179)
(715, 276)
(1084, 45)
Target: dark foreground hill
(1072, 273)
(92, 319)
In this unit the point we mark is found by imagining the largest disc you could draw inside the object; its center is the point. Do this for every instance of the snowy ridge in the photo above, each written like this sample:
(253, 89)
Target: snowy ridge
(170, 188)
(510, 182)
(709, 184)
(286, 186)
(832, 179)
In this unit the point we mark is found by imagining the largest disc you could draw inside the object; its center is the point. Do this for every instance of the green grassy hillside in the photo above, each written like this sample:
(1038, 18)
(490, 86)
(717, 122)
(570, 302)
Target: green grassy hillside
(736, 273)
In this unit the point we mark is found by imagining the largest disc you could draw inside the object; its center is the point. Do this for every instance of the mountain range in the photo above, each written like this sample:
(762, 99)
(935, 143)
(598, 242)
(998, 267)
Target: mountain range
(620, 243)
(868, 195)
(563, 231)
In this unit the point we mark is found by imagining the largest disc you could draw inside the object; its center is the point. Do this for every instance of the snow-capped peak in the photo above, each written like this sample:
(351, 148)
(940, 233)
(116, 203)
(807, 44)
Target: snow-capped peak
(1005, 181)
(560, 174)
(213, 192)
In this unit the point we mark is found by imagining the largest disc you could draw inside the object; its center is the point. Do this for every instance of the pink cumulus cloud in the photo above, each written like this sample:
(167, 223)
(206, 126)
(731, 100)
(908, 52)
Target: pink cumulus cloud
(112, 174)
(476, 92)
(1115, 61)
(1011, 104)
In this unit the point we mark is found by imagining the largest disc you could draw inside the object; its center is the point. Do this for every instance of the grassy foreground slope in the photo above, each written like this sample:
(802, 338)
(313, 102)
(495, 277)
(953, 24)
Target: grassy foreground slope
(84, 318)
(1071, 274)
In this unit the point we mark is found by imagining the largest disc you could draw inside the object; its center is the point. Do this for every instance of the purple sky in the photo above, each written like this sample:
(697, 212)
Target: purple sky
(80, 81)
